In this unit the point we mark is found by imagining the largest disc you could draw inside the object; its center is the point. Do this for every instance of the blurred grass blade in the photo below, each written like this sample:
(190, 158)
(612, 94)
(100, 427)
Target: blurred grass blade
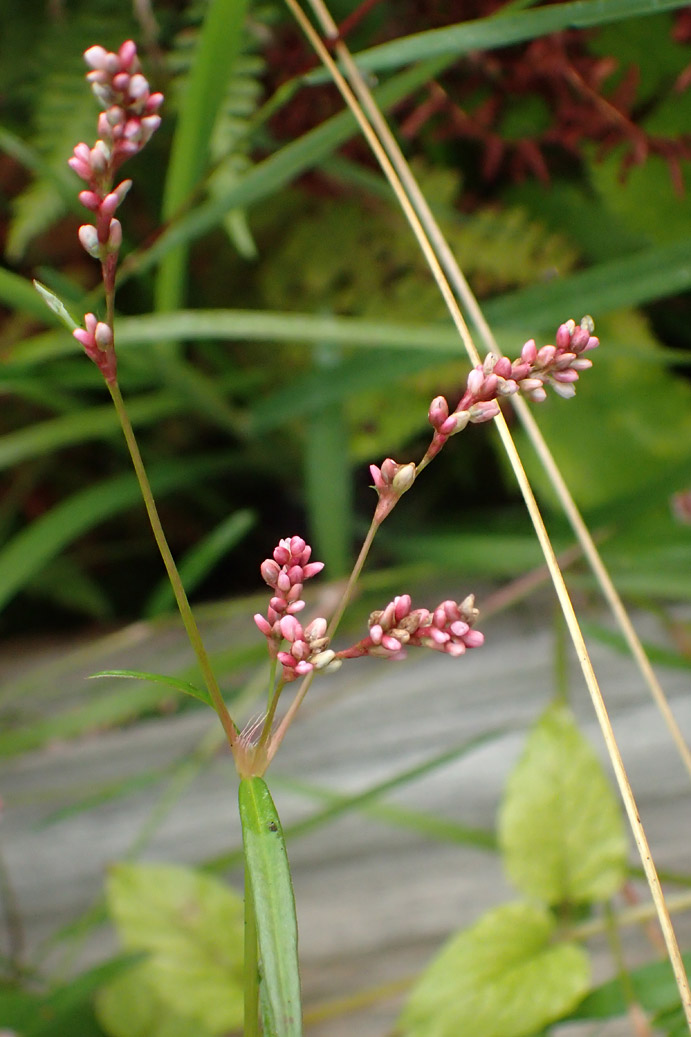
(266, 861)
(30, 549)
(328, 484)
(159, 678)
(502, 30)
(82, 426)
(201, 559)
(17, 293)
(631, 281)
(218, 47)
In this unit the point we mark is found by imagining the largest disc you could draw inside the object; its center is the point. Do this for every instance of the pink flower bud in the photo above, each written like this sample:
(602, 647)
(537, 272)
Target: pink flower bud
(138, 87)
(475, 381)
(95, 57)
(529, 351)
(290, 628)
(460, 420)
(483, 411)
(565, 390)
(311, 569)
(88, 237)
(103, 335)
(114, 236)
(546, 355)
(564, 333)
(438, 411)
(89, 199)
(404, 478)
(263, 625)
(128, 55)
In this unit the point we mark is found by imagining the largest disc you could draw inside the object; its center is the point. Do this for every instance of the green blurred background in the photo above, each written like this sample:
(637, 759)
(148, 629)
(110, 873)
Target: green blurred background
(278, 328)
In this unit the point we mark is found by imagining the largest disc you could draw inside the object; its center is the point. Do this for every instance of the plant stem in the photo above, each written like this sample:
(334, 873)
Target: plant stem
(183, 604)
(353, 578)
(251, 964)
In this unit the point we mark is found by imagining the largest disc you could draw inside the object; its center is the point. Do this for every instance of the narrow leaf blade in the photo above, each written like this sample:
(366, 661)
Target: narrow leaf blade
(267, 862)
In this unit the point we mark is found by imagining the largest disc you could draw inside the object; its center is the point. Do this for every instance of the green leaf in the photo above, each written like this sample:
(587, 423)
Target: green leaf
(191, 926)
(267, 863)
(560, 826)
(159, 678)
(55, 305)
(499, 30)
(653, 986)
(67, 1009)
(130, 1007)
(503, 977)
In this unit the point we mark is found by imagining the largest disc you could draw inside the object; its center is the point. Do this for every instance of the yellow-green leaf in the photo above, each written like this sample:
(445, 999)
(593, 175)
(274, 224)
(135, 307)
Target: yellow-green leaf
(560, 826)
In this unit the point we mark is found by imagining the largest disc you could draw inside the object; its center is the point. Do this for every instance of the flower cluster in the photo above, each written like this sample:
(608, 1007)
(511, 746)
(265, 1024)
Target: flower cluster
(97, 339)
(302, 650)
(285, 573)
(127, 121)
(448, 629)
(557, 365)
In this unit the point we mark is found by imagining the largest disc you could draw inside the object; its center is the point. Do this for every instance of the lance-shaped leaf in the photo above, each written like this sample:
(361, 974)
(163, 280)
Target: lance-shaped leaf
(274, 904)
(560, 827)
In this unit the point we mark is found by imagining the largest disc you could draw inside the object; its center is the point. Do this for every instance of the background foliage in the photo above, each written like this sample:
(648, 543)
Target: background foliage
(278, 331)
(557, 167)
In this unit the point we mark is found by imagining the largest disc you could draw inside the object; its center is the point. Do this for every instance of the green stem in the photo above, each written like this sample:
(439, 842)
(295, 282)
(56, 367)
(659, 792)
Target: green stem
(171, 568)
(353, 578)
(251, 964)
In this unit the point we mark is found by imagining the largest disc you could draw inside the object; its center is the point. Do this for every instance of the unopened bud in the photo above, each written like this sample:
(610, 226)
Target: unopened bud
(404, 478)
(88, 237)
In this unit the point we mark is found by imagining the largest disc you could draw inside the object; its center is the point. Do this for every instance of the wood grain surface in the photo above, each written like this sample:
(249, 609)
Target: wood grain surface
(375, 898)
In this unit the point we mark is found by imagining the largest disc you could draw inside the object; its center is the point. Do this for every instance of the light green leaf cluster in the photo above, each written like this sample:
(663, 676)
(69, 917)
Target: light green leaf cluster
(190, 926)
(562, 837)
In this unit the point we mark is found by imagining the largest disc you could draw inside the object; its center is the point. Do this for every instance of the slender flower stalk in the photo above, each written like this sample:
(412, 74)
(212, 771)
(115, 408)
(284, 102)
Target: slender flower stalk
(128, 119)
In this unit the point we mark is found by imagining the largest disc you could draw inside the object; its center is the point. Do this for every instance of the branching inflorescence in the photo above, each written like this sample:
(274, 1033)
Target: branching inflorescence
(449, 627)
(127, 121)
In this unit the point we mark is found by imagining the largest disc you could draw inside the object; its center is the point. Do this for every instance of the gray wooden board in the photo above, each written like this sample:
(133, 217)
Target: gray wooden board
(375, 899)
